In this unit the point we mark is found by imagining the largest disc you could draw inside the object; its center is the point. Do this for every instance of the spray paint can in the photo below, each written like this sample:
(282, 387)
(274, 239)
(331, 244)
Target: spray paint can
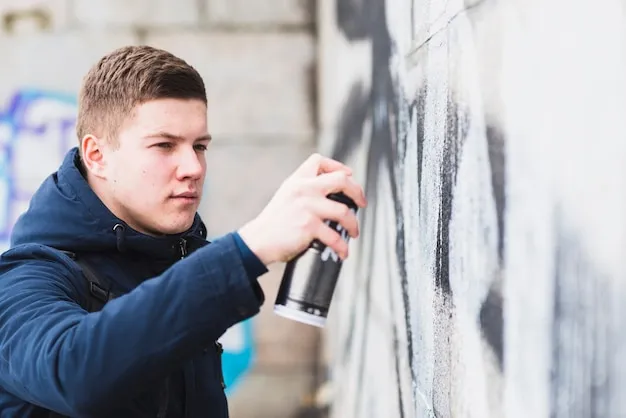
(309, 280)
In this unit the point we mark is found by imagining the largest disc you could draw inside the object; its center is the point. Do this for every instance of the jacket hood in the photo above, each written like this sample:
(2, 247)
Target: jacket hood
(65, 213)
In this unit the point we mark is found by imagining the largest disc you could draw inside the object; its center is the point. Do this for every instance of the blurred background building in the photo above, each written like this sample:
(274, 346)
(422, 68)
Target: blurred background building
(489, 134)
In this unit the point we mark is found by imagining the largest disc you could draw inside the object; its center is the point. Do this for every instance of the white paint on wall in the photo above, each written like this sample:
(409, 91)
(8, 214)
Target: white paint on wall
(549, 77)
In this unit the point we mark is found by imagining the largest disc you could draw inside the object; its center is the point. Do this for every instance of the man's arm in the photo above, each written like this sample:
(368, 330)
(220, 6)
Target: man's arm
(55, 354)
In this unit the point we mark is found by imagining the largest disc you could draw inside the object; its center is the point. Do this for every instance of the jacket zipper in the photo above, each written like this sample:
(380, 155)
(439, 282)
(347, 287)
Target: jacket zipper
(218, 346)
(182, 244)
(220, 350)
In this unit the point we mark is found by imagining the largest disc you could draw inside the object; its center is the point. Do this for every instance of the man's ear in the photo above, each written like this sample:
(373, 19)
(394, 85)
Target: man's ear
(92, 155)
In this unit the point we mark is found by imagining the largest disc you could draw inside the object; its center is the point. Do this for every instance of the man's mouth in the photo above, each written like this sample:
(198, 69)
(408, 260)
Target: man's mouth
(187, 197)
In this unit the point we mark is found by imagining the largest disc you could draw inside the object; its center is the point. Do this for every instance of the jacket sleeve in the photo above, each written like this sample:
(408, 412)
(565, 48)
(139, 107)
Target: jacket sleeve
(56, 355)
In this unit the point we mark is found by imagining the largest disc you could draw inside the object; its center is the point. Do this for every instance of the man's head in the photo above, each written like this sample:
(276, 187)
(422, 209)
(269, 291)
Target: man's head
(142, 129)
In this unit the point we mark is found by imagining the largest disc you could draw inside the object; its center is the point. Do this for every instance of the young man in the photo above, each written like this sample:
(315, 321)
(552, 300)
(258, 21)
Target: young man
(125, 201)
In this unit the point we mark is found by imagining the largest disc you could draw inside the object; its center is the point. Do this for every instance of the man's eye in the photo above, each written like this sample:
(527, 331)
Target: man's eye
(165, 145)
(200, 147)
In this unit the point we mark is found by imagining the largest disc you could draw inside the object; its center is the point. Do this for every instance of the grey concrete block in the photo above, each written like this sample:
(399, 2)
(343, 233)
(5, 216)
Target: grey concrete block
(137, 12)
(35, 16)
(254, 12)
(259, 86)
(271, 395)
(55, 62)
(281, 343)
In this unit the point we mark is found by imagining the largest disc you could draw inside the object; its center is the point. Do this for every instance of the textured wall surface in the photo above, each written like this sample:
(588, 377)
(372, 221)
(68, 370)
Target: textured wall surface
(258, 62)
(489, 277)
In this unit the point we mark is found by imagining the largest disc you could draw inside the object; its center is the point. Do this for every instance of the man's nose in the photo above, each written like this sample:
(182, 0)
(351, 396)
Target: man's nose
(190, 165)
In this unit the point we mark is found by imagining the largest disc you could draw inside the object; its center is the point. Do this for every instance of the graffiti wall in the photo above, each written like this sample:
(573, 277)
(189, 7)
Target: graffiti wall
(37, 128)
(488, 280)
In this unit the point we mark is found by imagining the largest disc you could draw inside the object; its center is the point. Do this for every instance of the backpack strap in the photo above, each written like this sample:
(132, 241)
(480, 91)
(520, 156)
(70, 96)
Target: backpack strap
(99, 294)
(99, 288)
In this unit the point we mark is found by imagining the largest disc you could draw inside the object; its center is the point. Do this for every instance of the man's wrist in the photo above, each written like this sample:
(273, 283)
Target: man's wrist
(253, 265)
(250, 236)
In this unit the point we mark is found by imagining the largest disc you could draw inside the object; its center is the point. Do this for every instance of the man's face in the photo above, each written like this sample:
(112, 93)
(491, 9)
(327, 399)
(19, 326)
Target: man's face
(156, 174)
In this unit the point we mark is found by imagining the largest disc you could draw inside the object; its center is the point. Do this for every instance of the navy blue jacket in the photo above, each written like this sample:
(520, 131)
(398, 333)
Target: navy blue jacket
(178, 296)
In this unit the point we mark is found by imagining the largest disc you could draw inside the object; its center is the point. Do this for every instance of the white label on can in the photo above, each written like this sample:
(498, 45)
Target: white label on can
(329, 252)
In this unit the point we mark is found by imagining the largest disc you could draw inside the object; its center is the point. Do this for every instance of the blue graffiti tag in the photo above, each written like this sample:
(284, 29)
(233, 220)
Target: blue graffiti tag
(36, 130)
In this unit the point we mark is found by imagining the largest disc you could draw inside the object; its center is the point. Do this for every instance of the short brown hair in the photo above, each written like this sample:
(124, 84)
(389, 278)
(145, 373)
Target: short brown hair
(127, 77)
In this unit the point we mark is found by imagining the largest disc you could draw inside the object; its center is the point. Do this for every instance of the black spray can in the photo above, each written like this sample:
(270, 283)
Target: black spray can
(308, 283)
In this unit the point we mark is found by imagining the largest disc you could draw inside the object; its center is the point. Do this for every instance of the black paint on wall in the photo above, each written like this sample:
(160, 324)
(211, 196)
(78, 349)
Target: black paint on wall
(492, 320)
(352, 121)
(492, 323)
(366, 19)
(457, 122)
(491, 312)
(401, 254)
(354, 19)
(497, 163)
(456, 131)
(420, 106)
(383, 107)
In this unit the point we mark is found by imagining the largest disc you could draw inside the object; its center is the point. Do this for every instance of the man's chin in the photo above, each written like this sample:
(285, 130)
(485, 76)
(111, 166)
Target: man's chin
(176, 227)
(179, 229)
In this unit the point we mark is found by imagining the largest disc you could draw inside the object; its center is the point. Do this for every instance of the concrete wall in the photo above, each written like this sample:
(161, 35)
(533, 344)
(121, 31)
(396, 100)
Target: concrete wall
(489, 277)
(258, 60)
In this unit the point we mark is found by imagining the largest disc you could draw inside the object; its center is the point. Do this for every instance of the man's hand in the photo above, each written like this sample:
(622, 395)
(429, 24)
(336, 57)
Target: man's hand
(295, 216)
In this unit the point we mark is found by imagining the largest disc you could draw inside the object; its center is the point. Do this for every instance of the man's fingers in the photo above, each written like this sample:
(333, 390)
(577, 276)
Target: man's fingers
(332, 239)
(328, 165)
(327, 209)
(340, 182)
(317, 164)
